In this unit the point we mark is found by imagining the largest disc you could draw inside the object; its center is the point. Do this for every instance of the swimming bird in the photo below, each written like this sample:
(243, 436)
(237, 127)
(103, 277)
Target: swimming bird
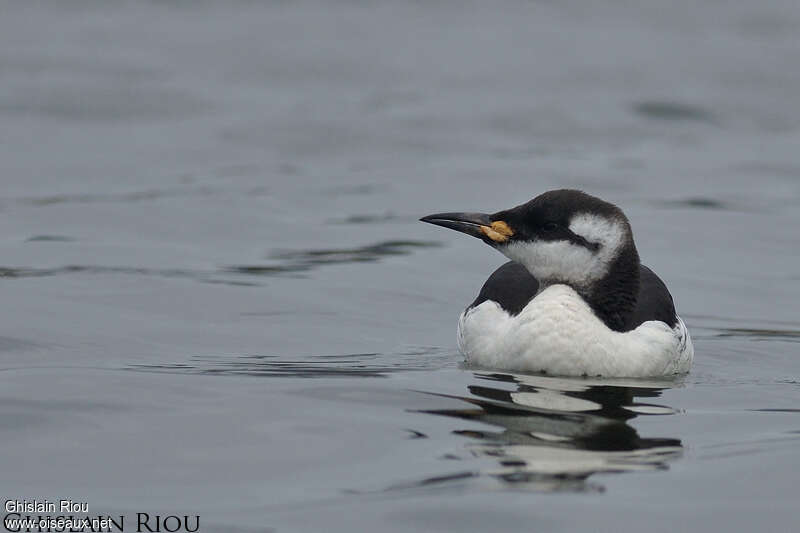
(574, 300)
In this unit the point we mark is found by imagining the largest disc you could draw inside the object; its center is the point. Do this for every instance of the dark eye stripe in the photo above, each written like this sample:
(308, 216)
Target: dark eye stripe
(577, 239)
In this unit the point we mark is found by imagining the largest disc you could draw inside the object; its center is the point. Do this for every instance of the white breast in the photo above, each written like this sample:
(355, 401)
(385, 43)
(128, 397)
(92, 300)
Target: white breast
(558, 333)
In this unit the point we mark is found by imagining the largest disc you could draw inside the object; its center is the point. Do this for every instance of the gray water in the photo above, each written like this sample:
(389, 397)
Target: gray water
(217, 299)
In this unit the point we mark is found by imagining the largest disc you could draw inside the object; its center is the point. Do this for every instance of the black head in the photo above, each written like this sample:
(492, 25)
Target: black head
(548, 217)
(562, 236)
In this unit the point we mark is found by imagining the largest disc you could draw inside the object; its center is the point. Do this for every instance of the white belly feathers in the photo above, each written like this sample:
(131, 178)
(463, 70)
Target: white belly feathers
(558, 333)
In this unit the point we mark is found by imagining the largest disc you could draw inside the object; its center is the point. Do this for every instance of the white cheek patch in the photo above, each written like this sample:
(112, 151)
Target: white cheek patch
(606, 232)
(563, 261)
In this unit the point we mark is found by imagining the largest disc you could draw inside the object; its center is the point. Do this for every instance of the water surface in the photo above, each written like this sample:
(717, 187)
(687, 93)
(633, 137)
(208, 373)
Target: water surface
(218, 299)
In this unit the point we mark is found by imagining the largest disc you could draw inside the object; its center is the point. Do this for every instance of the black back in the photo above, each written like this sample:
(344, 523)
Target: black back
(512, 287)
(654, 301)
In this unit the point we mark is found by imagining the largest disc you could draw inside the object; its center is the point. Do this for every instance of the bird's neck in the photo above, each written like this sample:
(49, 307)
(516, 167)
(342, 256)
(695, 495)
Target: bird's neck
(613, 297)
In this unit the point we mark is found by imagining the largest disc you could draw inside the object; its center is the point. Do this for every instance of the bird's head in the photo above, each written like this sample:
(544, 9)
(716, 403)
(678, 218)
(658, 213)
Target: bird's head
(562, 236)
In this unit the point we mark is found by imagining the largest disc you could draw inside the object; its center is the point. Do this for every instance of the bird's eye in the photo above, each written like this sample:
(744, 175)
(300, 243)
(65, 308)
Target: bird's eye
(550, 226)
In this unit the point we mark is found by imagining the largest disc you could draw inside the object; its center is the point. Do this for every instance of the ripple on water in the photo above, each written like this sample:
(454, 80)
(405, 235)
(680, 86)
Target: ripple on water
(12, 344)
(695, 202)
(320, 366)
(381, 218)
(202, 276)
(127, 197)
(49, 238)
(665, 110)
(761, 334)
(294, 261)
(284, 263)
(720, 327)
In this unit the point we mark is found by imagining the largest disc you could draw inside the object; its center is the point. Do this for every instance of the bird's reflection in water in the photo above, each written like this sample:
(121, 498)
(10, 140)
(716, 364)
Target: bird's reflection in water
(553, 434)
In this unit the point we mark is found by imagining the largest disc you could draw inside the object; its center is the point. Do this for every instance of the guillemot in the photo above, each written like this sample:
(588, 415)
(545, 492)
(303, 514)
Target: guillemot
(574, 300)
